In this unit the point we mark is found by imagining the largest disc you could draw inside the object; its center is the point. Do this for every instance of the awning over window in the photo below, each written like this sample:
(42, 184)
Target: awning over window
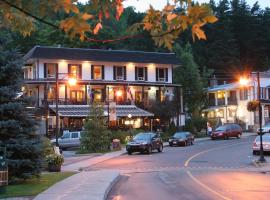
(83, 111)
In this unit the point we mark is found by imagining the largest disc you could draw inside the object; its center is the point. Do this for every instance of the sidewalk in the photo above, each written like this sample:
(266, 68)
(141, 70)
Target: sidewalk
(79, 166)
(86, 185)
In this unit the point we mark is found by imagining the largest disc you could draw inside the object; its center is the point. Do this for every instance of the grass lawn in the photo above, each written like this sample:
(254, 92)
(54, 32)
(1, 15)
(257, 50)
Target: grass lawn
(34, 186)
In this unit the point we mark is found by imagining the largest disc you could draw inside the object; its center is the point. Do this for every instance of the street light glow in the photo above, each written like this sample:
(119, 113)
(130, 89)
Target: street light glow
(119, 93)
(72, 81)
(243, 81)
(129, 116)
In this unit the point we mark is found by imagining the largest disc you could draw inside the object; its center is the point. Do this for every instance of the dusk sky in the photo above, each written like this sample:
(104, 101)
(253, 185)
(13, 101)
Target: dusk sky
(143, 5)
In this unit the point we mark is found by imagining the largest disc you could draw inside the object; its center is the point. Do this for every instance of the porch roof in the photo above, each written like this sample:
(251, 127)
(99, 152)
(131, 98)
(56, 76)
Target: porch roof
(83, 111)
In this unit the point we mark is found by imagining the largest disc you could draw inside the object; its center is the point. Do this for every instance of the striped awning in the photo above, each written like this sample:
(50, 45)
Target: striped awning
(84, 110)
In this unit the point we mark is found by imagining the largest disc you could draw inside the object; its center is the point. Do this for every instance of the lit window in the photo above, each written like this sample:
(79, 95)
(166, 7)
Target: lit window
(74, 71)
(97, 72)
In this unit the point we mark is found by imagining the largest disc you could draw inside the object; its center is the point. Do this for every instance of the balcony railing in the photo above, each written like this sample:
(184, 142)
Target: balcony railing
(63, 101)
(212, 102)
(232, 101)
(221, 102)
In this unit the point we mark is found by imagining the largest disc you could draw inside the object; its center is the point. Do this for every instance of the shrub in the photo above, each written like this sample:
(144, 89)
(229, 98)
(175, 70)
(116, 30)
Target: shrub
(54, 159)
(195, 124)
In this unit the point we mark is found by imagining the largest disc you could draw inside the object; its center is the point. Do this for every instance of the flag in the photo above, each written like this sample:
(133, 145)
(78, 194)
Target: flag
(129, 92)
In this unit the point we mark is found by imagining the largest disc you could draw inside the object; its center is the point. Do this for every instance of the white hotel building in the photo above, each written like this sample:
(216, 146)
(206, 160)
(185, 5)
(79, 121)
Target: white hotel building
(130, 79)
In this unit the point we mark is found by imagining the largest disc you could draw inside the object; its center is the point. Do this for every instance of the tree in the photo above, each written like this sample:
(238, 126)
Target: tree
(188, 75)
(96, 137)
(164, 25)
(17, 128)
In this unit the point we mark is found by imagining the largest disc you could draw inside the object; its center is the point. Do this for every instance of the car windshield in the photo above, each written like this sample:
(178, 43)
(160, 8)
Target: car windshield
(180, 135)
(142, 136)
(221, 128)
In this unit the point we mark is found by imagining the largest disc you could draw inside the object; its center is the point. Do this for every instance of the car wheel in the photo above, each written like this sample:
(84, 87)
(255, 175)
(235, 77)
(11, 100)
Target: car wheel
(129, 152)
(149, 151)
(226, 137)
(238, 136)
(185, 143)
(160, 148)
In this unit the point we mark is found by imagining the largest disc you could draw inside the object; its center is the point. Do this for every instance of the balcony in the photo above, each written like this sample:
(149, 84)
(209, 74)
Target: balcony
(63, 101)
(211, 102)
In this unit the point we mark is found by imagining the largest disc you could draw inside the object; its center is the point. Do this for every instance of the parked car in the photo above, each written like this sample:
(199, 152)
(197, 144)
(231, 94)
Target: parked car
(68, 140)
(265, 129)
(145, 142)
(181, 138)
(226, 131)
(265, 142)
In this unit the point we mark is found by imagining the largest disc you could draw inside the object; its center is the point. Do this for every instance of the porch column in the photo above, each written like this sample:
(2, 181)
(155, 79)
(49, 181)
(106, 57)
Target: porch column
(38, 96)
(216, 99)
(66, 94)
(125, 93)
(45, 102)
(143, 96)
(226, 99)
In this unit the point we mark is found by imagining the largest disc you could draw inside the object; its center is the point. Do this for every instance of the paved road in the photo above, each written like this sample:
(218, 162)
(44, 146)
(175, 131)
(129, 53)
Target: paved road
(206, 170)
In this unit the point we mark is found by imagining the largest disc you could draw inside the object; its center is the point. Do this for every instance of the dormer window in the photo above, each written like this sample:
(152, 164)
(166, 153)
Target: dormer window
(119, 73)
(162, 74)
(50, 70)
(141, 73)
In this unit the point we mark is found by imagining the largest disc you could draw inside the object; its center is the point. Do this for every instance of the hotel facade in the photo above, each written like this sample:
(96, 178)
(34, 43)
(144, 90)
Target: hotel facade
(127, 83)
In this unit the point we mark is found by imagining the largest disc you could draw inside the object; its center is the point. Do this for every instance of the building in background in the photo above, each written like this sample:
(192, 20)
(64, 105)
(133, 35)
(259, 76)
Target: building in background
(128, 81)
(227, 103)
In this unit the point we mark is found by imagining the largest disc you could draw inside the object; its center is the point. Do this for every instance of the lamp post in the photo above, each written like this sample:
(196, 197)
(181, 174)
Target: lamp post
(244, 82)
(130, 124)
(71, 81)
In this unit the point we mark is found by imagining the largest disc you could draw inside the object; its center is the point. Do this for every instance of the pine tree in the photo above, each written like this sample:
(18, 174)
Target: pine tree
(17, 128)
(96, 137)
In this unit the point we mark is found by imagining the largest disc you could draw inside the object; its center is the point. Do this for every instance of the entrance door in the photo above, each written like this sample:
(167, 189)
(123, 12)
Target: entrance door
(76, 96)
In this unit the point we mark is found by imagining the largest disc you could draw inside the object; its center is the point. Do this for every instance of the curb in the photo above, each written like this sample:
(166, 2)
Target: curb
(109, 188)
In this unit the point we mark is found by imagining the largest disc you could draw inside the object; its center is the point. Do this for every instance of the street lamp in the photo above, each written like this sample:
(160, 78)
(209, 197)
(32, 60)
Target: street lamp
(244, 82)
(72, 81)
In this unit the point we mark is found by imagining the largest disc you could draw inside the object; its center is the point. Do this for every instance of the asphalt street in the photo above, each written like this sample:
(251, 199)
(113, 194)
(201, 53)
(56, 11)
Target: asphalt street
(207, 170)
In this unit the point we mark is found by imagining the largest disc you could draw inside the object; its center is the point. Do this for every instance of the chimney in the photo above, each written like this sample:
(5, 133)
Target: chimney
(213, 81)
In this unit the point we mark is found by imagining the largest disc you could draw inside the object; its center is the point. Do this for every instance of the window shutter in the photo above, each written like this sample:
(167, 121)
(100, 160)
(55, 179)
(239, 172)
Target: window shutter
(166, 74)
(69, 69)
(156, 74)
(80, 71)
(146, 74)
(125, 72)
(102, 69)
(114, 73)
(45, 70)
(136, 73)
(92, 72)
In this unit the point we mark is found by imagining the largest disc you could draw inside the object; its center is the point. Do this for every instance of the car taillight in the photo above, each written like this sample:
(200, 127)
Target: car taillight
(255, 144)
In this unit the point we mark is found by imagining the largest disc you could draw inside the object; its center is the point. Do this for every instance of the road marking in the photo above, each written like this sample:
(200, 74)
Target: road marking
(206, 187)
(197, 180)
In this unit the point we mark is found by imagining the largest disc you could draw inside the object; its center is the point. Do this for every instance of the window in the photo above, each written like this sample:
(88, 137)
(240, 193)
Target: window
(74, 71)
(51, 93)
(119, 73)
(243, 94)
(75, 135)
(50, 70)
(139, 96)
(97, 72)
(140, 73)
(162, 74)
(76, 96)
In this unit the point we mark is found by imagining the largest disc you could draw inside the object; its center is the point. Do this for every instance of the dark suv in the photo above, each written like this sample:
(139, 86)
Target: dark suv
(226, 131)
(145, 142)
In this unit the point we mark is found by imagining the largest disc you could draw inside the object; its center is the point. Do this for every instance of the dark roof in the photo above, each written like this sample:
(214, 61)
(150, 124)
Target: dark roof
(101, 55)
(83, 111)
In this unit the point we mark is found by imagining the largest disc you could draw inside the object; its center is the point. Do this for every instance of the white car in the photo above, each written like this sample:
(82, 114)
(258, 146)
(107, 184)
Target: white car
(69, 139)
(265, 142)
(265, 129)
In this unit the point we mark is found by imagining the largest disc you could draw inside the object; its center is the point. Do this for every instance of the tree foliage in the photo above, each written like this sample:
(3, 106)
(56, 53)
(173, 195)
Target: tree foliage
(96, 137)
(193, 84)
(17, 128)
(164, 25)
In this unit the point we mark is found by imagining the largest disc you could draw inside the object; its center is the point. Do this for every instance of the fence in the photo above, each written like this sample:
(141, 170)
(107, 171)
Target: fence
(3, 169)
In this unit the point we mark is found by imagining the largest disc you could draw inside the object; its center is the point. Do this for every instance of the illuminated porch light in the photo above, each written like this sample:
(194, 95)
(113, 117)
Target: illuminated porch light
(119, 93)
(243, 81)
(72, 81)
